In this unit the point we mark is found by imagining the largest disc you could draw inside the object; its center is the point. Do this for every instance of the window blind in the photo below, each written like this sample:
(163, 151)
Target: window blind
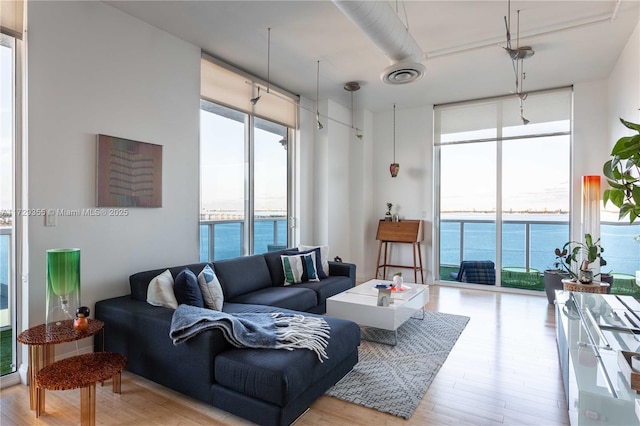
(478, 120)
(224, 85)
(12, 17)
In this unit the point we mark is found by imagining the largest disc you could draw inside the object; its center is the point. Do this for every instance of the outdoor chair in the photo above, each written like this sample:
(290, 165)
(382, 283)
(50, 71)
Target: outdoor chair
(476, 272)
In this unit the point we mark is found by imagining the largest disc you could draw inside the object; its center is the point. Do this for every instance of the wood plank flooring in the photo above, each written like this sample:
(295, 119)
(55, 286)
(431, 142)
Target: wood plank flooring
(502, 371)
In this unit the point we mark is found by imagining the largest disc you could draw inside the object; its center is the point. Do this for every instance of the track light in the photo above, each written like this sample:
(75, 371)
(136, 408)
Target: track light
(353, 86)
(318, 124)
(257, 98)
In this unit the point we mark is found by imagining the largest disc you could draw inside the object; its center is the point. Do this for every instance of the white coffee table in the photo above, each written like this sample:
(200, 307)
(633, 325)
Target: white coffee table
(359, 304)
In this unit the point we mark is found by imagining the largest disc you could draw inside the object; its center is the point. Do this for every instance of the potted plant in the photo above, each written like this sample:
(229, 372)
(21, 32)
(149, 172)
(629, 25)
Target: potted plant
(622, 172)
(553, 281)
(576, 261)
(387, 215)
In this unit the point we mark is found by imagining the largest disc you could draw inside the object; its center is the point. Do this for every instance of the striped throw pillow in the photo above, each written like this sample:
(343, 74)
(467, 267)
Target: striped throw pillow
(299, 268)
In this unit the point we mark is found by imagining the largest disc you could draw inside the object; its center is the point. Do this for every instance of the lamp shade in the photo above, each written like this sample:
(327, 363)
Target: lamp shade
(63, 284)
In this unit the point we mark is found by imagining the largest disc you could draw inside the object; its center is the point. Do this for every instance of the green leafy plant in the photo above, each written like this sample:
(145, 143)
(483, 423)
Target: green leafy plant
(575, 256)
(622, 172)
(389, 205)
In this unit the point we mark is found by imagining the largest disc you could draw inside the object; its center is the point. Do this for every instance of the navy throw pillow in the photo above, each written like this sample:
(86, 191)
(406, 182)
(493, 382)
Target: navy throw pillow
(316, 251)
(187, 290)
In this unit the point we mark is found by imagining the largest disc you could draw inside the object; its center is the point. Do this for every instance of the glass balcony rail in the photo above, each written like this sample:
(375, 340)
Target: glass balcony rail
(224, 239)
(7, 335)
(531, 244)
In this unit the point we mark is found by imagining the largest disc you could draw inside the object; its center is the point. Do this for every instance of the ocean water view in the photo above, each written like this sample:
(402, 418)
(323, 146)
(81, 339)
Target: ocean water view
(622, 253)
(545, 233)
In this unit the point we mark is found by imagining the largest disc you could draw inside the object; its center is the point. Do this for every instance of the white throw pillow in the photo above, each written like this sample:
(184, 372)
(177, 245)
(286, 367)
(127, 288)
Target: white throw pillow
(160, 291)
(324, 254)
(211, 289)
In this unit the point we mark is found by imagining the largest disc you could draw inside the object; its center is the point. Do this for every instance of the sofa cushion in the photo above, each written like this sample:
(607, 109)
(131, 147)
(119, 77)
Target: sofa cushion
(298, 299)
(274, 263)
(299, 268)
(279, 376)
(242, 275)
(324, 254)
(139, 282)
(160, 291)
(210, 289)
(328, 287)
(187, 290)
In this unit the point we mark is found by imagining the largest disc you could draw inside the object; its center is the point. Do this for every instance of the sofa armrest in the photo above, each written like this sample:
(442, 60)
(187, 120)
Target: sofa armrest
(343, 269)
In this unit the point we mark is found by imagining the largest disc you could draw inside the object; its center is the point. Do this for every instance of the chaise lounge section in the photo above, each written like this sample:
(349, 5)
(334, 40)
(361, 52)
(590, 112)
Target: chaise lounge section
(265, 386)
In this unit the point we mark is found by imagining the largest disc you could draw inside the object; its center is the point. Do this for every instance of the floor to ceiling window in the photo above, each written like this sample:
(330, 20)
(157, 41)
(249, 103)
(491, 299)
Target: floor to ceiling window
(245, 164)
(8, 146)
(503, 189)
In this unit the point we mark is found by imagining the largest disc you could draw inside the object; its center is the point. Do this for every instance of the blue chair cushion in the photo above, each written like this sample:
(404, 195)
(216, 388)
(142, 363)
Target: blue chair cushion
(476, 272)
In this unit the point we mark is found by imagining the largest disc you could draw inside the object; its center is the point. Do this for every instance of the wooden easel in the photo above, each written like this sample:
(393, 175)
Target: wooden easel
(407, 232)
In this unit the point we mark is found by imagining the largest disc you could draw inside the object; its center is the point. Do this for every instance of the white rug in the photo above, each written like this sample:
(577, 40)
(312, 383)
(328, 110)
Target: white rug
(393, 379)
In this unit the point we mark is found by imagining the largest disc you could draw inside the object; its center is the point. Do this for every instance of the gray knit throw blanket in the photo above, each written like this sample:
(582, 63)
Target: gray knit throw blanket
(254, 330)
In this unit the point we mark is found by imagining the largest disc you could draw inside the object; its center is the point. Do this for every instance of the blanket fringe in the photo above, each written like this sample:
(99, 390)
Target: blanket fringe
(302, 332)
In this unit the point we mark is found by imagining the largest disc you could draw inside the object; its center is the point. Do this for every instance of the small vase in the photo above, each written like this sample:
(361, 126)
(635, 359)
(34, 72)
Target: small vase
(397, 281)
(387, 217)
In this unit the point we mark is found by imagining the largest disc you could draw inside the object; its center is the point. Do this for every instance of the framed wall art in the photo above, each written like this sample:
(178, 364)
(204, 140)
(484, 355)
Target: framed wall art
(129, 173)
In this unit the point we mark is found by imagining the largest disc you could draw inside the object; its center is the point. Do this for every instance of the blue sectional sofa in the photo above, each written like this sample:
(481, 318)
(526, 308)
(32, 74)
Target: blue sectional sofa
(265, 386)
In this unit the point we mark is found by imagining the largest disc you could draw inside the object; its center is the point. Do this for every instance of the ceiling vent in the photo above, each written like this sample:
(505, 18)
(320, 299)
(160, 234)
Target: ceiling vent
(381, 24)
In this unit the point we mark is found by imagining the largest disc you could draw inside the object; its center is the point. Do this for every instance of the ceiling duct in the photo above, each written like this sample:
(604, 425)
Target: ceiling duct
(381, 24)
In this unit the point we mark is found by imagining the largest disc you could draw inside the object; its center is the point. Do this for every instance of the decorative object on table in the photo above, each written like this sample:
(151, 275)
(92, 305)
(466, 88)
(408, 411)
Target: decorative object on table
(394, 379)
(632, 377)
(63, 285)
(81, 322)
(129, 173)
(621, 172)
(384, 296)
(387, 215)
(397, 280)
(394, 168)
(575, 257)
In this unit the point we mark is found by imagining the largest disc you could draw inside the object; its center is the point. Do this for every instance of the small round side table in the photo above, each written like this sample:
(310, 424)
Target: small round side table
(82, 371)
(41, 340)
(593, 287)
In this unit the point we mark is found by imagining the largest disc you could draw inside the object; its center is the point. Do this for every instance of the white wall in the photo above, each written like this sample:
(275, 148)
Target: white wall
(624, 89)
(411, 191)
(93, 69)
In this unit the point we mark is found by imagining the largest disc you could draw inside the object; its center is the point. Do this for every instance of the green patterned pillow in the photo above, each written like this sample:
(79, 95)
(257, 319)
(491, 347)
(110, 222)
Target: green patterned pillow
(299, 268)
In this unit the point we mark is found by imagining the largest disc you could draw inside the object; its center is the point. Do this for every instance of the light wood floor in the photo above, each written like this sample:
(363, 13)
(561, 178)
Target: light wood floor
(502, 371)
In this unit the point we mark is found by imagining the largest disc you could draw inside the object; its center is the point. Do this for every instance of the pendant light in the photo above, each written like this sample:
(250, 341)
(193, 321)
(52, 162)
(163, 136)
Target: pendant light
(257, 98)
(394, 168)
(318, 123)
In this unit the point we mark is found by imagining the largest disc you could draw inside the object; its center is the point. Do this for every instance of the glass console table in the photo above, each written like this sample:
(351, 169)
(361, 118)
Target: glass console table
(591, 329)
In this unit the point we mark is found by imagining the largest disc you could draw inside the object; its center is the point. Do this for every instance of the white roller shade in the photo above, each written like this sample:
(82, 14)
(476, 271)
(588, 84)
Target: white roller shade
(12, 17)
(225, 86)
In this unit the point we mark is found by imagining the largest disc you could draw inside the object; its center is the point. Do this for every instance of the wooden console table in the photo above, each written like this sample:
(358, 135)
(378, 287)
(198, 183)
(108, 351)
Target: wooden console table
(406, 232)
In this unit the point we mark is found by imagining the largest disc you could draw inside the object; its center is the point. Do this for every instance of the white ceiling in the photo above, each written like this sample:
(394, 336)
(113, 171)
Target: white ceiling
(574, 41)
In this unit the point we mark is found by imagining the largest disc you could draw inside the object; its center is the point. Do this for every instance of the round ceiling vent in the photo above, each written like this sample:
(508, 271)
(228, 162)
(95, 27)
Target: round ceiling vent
(403, 72)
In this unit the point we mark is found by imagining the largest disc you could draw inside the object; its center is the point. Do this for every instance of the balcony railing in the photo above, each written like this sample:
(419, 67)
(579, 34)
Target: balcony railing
(223, 239)
(530, 244)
